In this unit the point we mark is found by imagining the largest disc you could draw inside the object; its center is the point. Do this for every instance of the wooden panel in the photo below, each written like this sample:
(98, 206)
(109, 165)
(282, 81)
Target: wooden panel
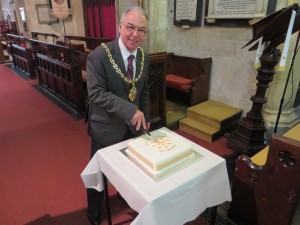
(61, 78)
(196, 69)
(89, 43)
(268, 194)
(157, 89)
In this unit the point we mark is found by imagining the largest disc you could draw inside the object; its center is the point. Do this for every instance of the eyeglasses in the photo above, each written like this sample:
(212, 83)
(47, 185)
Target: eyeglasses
(130, 28)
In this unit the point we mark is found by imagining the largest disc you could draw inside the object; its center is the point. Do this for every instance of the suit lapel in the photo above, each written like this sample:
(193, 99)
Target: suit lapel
(119, 61)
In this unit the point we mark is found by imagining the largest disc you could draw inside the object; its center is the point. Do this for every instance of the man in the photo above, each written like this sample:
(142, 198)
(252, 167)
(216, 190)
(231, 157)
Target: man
(118, 105)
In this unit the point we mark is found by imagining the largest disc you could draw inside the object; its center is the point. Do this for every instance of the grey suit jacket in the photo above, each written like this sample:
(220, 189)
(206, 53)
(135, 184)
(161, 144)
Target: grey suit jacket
(110, 110)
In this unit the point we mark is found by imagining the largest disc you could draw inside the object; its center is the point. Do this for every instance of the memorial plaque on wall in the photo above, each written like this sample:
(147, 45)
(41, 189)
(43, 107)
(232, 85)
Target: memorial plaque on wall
(236, 9)
(187, 12)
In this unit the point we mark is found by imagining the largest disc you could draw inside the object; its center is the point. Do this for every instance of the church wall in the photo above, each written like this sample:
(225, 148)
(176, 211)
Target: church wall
(233, 77)
(73, 25)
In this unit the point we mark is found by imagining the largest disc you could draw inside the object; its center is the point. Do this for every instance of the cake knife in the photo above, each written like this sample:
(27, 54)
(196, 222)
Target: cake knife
(146, 132)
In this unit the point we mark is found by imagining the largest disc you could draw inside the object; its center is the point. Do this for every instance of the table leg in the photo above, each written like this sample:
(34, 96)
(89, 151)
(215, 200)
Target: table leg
(106, 199)
(213, 215)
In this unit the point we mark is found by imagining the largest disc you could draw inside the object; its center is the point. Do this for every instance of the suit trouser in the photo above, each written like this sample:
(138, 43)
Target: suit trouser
(95, 198)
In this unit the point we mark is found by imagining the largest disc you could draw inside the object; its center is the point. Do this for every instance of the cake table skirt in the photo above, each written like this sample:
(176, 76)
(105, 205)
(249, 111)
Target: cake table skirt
(175, 200)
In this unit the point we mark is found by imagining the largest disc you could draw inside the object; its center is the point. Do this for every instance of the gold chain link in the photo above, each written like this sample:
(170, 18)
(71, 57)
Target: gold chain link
(118, 70)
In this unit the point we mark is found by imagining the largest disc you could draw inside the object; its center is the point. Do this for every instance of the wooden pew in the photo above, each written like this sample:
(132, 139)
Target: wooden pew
(5, 29)
(197, 70)
(21, 52)
(59, 74)
(18, 40)
(162, 64)
(84, 45)
(44, 36)
(3, 51)
(157, 89)
(265, 189)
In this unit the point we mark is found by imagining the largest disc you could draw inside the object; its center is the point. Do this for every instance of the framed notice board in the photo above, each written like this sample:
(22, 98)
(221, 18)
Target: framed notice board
(187, 12)
(43, 14)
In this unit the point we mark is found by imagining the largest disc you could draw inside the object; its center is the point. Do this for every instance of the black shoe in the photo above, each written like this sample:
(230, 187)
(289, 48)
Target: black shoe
(94, 218)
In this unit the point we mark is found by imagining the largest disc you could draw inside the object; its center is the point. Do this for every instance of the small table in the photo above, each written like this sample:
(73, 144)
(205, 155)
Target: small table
(176, 199)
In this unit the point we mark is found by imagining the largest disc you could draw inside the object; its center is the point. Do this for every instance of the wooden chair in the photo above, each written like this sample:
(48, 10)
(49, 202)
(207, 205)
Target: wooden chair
(267, 195)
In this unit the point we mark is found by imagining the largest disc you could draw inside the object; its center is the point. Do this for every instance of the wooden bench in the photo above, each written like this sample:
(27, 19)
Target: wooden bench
(5, 29)
(42, 36)
(162, 64)
(3, 51)
(18, 40)
(192, 76)
(265, 188)
(21, 52)
(84, 45)
(157, 89)
(59, 73)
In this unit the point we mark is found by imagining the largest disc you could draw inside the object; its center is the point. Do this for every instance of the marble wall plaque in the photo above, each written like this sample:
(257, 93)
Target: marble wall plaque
(186, 10)
(237, 9)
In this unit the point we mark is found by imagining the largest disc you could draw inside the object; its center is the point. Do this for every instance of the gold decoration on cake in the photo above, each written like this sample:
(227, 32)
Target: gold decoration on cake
(133, 90)
(162, 144)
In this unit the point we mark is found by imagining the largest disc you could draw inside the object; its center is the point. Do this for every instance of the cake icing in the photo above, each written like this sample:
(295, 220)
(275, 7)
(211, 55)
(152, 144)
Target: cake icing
(162, 151)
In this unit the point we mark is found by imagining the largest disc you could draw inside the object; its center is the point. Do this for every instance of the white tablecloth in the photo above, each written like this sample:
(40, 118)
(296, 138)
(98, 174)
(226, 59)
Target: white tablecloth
(175, 200)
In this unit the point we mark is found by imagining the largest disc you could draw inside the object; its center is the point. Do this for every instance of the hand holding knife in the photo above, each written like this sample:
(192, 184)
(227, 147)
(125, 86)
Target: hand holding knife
(146, 132)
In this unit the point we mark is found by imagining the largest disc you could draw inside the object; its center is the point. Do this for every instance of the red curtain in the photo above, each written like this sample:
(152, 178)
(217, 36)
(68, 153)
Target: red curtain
(109, 21)
(90, 24)
(97, 24)
(100, 17)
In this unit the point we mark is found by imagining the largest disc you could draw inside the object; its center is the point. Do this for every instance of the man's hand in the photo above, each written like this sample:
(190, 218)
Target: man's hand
(138, 120)
(148, 126)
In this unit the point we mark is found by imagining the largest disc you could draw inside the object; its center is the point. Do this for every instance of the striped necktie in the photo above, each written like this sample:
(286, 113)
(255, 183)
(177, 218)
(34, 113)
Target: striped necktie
(130, 67)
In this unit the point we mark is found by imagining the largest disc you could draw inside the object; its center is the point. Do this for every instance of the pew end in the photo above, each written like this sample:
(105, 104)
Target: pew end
(190, 78)
(59, 73)
(268, 194)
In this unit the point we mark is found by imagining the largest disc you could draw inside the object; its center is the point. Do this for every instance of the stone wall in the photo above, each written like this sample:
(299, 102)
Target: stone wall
(73, 25)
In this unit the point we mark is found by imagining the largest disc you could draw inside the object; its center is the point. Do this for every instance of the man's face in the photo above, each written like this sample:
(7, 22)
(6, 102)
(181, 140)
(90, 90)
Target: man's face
(133, 30)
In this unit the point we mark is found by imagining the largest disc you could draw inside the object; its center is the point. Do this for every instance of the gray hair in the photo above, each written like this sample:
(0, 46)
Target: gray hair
(137, 9)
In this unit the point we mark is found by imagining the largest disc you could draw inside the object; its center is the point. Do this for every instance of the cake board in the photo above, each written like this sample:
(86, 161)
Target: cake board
(196, 156)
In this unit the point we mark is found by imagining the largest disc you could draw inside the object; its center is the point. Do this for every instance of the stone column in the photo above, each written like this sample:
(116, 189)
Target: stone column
(288, 117)
(1, 12)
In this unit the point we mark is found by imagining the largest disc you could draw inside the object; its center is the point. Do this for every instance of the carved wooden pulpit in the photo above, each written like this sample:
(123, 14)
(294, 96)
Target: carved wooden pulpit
(249, 138)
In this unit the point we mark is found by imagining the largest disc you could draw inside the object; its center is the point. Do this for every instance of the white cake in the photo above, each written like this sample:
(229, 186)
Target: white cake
(160, 152)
